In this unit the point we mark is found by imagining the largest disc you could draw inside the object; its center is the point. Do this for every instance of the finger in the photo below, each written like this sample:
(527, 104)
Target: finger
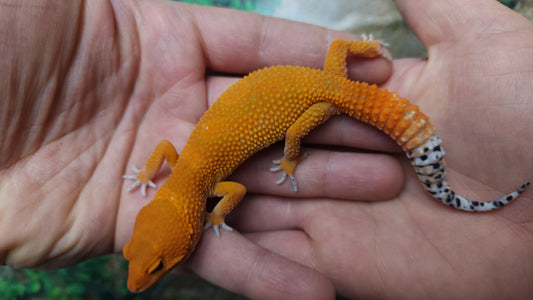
(237, 264)
(240, 42)
(346, 131)
(260, 214)
(264, 213)
(292, 244)
(340, 175)
(438, 21)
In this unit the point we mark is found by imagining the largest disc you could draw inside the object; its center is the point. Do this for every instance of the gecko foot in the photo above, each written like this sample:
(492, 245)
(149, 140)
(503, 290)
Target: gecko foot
(284, 176)
(216, 227)
(217, 221)
(384, 45)
(137, 182)
(288, 166)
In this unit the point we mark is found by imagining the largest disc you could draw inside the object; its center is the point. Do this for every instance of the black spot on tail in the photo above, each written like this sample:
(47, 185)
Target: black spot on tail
(523, 187)
(449, 198)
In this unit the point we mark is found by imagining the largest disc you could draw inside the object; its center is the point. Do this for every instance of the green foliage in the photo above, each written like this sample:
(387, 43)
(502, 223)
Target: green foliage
(264, 7)
(246, 5)
(510, 3)
(99, 278)
(11, 290)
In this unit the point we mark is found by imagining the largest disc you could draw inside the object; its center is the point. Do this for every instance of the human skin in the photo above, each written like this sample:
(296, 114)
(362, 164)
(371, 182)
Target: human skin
(90, 89)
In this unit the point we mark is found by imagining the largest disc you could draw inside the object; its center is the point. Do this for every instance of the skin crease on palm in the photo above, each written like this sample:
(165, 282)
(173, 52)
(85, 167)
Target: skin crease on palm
(88, 89)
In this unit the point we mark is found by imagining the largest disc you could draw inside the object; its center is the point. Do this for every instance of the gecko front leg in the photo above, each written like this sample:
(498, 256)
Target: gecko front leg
(143, 178)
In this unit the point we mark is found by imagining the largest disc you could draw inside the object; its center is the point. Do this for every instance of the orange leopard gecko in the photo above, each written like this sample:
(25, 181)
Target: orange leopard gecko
(262, 108)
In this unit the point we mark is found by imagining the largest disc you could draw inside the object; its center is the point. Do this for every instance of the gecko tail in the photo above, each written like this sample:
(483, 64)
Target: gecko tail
(456, 201)
(427, 160)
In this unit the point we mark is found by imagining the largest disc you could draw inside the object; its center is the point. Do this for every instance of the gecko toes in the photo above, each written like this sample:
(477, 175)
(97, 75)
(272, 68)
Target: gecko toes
(137, 183)
(282, 179)
(216, 228)
(288, 167)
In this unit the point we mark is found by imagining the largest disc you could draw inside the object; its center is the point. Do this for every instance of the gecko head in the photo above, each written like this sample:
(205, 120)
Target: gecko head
(160, 241)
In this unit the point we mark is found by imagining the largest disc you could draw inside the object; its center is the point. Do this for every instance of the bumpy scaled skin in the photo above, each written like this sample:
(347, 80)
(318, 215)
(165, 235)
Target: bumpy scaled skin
(282, 102)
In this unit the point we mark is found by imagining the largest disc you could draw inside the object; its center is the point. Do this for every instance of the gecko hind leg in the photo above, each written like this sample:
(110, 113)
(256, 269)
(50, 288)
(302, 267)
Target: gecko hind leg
(335, 63)
(315, 115)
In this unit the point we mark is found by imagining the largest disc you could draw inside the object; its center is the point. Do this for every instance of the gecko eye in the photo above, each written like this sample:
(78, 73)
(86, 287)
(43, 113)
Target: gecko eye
(156, 267)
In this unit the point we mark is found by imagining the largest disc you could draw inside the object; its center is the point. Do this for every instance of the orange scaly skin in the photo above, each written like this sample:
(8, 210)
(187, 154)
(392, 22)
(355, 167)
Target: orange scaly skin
(264, 107)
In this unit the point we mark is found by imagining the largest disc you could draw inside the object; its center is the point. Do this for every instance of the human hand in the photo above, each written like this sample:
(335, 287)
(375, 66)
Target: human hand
(92, 92)
(476, 89)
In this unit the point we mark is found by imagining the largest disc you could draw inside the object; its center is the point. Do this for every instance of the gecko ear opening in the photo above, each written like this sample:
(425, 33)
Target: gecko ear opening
(157, 266)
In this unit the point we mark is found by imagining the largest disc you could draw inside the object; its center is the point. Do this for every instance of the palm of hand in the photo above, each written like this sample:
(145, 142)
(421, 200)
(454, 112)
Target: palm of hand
(67, 180)
(124, 93)
(413, 245)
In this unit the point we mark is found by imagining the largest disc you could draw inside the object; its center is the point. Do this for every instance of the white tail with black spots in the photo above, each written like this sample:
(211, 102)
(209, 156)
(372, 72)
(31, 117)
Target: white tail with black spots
(427, 159)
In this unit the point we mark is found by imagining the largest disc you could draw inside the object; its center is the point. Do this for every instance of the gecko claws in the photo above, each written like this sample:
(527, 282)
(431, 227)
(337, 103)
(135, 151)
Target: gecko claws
(384, 45)
(284, 175)
(216, 228)
(137, 183)
(224, 226)
(134, 185)
(292, 179)
(275, 169)
(279, 168)
(282, 179)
